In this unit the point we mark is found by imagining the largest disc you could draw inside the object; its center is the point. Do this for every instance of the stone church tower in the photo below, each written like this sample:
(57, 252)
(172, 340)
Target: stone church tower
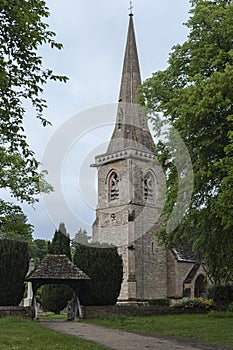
(130, 203)
(129, 184)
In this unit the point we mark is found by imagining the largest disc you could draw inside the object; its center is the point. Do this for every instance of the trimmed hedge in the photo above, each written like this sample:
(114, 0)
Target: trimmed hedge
(55, 297)
(14, 262)
(105, 269)
(222, 295)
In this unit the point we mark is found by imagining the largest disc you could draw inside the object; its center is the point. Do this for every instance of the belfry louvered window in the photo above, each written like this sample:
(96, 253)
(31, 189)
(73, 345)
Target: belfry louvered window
(148, 186)
(114, 186)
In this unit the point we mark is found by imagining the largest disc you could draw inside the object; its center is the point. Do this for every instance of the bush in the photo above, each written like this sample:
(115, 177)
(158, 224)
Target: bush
(222, 295)
(54, 297)
(159, 302)
(104, 267)
(14, 263)
(230, 307)
(206, 304)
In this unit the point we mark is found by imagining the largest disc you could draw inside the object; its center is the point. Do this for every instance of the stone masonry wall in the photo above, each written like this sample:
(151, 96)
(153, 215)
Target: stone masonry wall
(16, 311)
(125, 222)
(135, 310)
(151, 268)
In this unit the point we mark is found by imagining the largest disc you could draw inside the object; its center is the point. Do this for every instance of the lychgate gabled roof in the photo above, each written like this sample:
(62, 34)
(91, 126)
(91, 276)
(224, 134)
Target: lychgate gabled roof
(56, 268)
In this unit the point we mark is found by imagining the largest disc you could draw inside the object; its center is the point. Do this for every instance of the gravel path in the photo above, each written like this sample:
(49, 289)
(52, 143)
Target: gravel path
(116, 339)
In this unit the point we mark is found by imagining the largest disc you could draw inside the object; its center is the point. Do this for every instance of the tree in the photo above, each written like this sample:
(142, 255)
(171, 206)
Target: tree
(22, 77)
(55, 297)
(195, 95)
(14, 263)
(104, 267)
(13, 223)
(61, 242)
(222, 296)
(40, 249)
(80, 237)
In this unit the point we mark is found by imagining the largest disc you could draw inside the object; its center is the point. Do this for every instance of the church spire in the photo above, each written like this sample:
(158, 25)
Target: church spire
(131, 78)
(131, 129)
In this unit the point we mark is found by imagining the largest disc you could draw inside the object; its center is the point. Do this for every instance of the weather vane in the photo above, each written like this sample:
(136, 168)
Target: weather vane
(131, 8)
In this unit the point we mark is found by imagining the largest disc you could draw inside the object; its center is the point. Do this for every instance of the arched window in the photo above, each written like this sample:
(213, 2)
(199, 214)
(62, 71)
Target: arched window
(149, 186)
(114, 186)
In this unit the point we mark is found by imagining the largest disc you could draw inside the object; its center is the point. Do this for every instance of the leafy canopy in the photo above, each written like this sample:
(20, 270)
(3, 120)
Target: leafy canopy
(61, 242)
(13, 223)
(22, 77)
(195, 95)
(81, 237)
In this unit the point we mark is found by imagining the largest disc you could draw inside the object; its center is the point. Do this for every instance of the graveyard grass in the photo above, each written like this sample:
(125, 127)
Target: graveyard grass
(214, 328)
(21, 334)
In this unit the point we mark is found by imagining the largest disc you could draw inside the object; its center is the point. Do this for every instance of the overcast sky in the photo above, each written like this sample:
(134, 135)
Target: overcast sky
(83, 110)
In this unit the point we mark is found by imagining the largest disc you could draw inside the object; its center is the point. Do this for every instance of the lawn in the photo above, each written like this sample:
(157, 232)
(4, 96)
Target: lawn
(20, 334)
(51, 316)
(214, 328)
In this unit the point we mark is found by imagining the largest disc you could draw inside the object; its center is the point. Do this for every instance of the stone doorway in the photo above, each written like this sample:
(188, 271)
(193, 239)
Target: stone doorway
(200, 289)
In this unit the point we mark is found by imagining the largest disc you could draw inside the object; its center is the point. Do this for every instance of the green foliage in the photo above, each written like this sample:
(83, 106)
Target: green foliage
(54, 298)
(159, 302)
(14, 262)
(104, 267)
(222, 295)
(40, 250)
(202, 303)
(22, 77)
(13, 223)
(230, 308)
(195, 95)
(81, 237)
(60, 243)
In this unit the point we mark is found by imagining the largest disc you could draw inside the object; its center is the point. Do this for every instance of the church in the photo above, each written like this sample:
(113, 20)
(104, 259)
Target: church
(130, 202)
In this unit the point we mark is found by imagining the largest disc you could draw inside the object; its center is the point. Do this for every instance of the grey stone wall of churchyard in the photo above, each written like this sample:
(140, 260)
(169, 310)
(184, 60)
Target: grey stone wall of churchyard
(25, 312)
(136, 310)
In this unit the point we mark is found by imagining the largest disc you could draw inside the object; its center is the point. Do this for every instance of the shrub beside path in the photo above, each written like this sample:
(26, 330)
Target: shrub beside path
(117, 339)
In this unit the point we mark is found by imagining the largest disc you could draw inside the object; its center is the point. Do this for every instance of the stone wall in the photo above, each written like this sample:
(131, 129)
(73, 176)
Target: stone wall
(177, 274)
(106, 311)
(151, 269)
(127, 222)
(25, 312)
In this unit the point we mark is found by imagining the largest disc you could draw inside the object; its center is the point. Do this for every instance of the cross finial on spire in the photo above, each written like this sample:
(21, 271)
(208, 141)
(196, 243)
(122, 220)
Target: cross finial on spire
(131, 8)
